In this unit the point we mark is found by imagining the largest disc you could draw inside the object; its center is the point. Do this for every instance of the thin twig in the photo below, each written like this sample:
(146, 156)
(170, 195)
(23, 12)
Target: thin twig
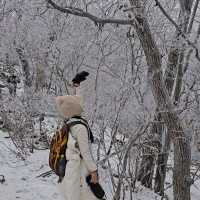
(48, 173)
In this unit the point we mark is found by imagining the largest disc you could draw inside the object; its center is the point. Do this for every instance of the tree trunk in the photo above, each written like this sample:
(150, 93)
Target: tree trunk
(152, 144)
(173, 81)
(40, 80)
(162, 166)
(145, 174)
(182, 154)
(25, 68)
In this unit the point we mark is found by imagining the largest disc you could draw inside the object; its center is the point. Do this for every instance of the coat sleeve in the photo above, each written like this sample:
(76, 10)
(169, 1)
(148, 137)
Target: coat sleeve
(82, 138)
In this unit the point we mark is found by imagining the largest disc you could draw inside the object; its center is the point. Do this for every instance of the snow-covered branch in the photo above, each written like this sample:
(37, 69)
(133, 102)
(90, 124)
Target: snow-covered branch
(81, 13)
(178, 29)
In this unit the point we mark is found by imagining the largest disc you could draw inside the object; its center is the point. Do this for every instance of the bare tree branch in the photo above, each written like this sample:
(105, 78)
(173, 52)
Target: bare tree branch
(179, 30)
(81, 13)
(100, 21)
(193, 15)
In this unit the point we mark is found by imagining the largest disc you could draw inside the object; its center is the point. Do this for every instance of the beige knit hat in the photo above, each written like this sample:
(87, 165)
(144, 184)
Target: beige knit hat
(69, 105)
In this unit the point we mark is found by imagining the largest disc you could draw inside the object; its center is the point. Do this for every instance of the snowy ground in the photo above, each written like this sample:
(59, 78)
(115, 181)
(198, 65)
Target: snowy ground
(22, 182)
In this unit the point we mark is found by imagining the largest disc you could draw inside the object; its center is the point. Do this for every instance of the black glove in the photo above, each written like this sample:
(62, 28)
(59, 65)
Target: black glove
(95, 188)
(80, 77)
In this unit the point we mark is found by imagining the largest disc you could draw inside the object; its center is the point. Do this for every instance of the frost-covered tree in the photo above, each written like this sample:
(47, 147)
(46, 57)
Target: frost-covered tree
(142, 57)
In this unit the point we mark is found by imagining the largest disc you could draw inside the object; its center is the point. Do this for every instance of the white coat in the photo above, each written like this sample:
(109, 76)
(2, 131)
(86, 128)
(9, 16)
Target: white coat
(74, 186)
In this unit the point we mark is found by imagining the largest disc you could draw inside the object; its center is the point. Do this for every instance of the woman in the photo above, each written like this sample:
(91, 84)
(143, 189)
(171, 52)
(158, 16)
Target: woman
(80, 162)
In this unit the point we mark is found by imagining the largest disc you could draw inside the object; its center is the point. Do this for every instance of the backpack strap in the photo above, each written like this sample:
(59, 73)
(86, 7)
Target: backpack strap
(73, 123)
(91, 136)
(84, 123)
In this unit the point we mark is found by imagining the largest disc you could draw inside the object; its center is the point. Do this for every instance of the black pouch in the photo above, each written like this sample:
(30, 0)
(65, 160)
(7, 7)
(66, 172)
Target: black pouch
(95, 188)
(61, 169)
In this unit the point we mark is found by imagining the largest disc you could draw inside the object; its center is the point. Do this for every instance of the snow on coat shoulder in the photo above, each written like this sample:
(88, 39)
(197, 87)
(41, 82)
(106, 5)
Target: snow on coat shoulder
(74, 184)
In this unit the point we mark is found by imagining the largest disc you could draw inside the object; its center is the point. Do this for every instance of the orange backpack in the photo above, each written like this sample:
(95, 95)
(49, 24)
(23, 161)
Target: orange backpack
(58, 146)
